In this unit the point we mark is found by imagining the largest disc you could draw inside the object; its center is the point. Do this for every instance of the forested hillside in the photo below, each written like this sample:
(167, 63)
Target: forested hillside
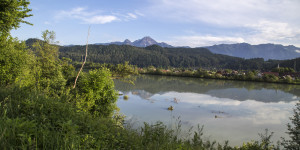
(266, 51)
(293, 63)
(164, 57)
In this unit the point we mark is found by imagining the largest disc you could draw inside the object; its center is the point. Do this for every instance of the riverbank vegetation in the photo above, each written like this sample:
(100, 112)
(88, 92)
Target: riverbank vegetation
(278, 75)
(39, 109)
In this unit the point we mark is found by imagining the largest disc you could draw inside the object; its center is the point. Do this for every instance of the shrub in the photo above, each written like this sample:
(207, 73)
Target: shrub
(31, 120)
(16, 63)
(96, 94)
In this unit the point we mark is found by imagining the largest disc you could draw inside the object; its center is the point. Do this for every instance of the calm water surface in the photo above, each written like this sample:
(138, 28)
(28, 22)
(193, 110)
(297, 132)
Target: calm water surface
(229, 110)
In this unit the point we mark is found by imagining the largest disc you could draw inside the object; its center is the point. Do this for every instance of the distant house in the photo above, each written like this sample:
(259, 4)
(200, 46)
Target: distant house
(259, 75)
(292, 74)
(234, 72)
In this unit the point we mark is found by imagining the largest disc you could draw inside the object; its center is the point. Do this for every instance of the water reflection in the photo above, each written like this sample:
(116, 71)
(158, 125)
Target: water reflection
(240, 90)
(229, 110)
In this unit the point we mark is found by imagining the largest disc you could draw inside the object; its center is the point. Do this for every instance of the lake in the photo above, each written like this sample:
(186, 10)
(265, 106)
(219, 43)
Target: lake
(229, 110)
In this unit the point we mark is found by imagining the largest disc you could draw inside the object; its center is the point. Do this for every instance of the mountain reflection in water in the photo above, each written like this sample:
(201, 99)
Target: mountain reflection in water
(229, 110)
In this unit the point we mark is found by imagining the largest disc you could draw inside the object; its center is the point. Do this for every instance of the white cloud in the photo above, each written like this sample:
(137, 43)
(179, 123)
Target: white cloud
(47, 23)
(139, 13)
(95, 17)
(298, 51)
(100, 19)
(132, 15)
(270, 31)
(203, 40)
(226, 12)
(128, 16)
(264, 32)
(255, 21)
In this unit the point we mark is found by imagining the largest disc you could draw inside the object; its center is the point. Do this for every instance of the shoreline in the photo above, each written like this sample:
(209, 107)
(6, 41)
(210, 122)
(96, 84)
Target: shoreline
(217, 78)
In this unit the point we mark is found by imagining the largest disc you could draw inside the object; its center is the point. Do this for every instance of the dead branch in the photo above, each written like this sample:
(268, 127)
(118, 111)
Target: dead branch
(87, 41)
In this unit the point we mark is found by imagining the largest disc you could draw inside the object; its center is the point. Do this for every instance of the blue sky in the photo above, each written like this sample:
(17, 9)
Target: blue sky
(177, 22)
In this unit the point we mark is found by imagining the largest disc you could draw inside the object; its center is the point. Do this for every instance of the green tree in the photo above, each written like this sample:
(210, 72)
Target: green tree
(96, 93)
(14, 58)
(50, 75)
(125, 69)
(12, 13)
(270, 78)
(68, 69)
(288, 79)
(16, 63)
(201, 73)
(283, 69)
(250, 75)
(293, 131)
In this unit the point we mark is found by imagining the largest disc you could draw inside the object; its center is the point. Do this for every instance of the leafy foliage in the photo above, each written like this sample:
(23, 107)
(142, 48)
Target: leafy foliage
(16, 63)
(282, 70)
(97, 94)
(12, 13)
(49, 75)
(293, 130)
(14, 59)
(29, 119)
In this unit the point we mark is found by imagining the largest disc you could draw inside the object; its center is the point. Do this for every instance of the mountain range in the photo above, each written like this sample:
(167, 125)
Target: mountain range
(266, 51)
(144, 42)
(158, 56)
(243, 50)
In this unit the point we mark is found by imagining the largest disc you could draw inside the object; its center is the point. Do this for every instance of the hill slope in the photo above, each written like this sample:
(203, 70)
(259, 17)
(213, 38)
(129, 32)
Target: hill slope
(266, 51)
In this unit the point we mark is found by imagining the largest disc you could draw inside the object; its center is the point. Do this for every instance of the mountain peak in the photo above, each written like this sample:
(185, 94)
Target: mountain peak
(127, 42)
(147, 38)
(144, 42)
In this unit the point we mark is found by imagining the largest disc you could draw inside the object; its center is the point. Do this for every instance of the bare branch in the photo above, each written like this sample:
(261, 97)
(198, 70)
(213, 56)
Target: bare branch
(87, 41)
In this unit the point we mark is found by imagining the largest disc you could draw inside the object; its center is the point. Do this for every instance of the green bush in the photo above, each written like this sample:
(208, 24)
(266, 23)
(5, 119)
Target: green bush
(31, 120)
(16, 63)
(96, 94)
(270, 78)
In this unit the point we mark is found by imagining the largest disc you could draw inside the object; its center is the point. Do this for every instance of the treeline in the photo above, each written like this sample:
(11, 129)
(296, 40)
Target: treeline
(227, 74)
(170, 57)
